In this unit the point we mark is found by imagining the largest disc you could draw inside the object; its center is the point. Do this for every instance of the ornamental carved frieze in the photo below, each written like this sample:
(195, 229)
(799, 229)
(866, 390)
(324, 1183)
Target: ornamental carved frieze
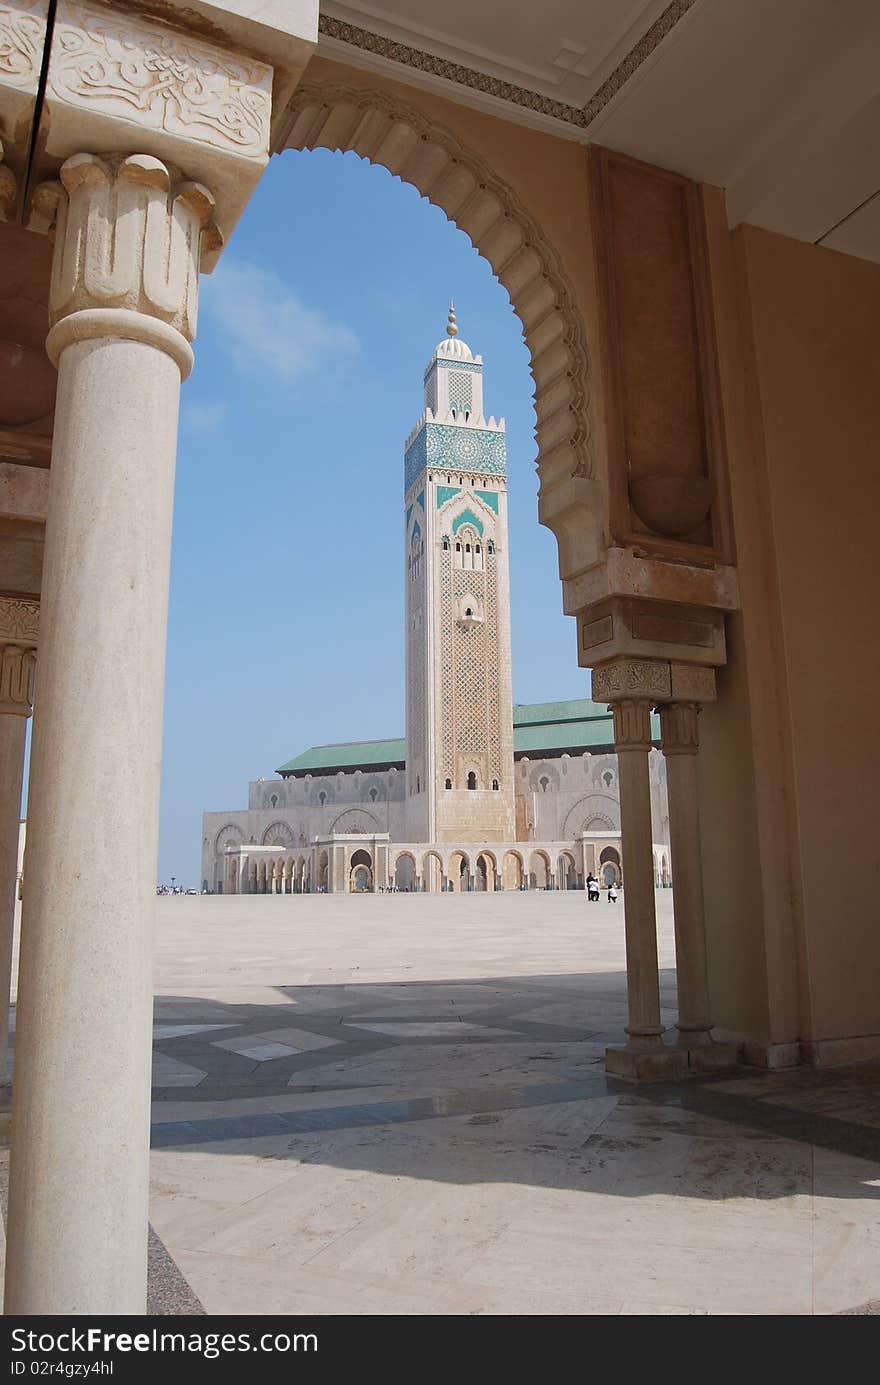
(19, 620)
(131, 68)
(127, 236)
(22, 33)
(647, 679)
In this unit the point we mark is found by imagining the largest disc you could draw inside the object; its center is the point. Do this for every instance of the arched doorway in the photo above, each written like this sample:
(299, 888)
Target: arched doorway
(485, 872)
(432, 872)
(323, 872)
(405, 872)
(609, 865)
(539, 870)
(459, 872)
(513, 871)
(566, 872)
(360, 875)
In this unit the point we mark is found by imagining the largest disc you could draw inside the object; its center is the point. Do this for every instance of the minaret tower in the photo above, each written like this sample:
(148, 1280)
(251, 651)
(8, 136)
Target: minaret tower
(459, 714)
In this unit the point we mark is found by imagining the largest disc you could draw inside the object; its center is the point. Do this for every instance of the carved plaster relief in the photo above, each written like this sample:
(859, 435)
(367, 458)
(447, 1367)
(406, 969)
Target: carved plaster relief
(22, 39)
(19, 620)
(120, 83)
(133, 69)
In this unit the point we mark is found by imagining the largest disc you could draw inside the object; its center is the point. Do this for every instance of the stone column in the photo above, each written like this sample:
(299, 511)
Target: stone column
(18, 639)
(123, 302)
(632, 739)
(680, 743)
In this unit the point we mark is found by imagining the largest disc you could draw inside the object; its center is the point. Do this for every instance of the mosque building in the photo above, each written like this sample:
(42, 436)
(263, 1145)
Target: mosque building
(482, 794)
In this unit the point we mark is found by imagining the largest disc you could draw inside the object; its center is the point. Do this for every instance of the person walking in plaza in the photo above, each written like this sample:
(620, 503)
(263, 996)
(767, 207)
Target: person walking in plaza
(592, 888)
(612, 893)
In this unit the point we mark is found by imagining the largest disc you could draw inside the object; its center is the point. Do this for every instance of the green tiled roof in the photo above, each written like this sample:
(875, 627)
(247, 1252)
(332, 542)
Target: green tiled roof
(323, 759)
(541, 713)
(538, 727)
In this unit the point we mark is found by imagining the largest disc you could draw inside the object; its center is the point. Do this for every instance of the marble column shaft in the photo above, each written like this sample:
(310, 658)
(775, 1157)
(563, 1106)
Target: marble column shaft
(18, 632)
(122, 303)
(680, 744)
(632, 740)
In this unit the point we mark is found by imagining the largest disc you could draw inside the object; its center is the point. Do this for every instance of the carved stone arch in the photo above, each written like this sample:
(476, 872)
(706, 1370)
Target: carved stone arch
(594, 805)
(384, 129)
(279, 834)
(230, 834)
(354, 821)
(540, 773)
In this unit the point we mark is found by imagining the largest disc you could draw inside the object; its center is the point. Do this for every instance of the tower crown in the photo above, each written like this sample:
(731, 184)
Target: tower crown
(454, 380)
(451, 348)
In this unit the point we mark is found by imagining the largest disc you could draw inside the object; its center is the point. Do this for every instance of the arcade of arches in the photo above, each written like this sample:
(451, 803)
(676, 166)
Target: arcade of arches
(699, 296)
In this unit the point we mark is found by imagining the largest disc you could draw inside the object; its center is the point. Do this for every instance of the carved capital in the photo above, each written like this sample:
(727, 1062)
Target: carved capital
(648, 679)
(19, 620)
(128, 244)
(17, 666)
(679, 732)
(632, 725)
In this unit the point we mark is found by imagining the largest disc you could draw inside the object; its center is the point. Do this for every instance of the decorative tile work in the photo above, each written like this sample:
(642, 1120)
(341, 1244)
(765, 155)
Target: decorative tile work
(460, 392)
(467, 517)
(459, 365)
(445, 493)
(458, 448)
(490, 498)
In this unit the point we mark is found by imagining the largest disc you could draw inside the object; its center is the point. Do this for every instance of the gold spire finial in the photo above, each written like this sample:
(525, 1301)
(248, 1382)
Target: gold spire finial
(451, 329)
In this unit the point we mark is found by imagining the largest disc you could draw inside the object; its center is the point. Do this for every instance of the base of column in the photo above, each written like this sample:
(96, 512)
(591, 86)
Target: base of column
(671, 1064)
(650, 1064)
(710, 1057)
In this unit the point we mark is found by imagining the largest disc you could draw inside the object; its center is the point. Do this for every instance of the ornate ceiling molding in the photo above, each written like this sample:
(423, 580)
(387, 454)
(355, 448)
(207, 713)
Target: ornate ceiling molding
(581, 117)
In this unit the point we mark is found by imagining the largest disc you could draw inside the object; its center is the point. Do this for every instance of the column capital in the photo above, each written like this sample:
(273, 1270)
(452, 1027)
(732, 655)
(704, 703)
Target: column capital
(679, 732)
(19, 621)
(632, 724)
(129, 237)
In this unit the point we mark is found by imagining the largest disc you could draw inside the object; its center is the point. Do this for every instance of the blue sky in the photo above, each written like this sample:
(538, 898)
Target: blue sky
(286, 617)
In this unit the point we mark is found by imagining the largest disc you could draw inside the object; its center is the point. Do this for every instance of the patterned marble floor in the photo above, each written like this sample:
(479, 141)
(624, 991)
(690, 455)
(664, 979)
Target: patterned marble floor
(397, 1105)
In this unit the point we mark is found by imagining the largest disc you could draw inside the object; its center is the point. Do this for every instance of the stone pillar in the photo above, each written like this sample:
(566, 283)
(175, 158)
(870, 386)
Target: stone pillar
(123, 303)
(680, 744)
(18, 637)
(645, 1053)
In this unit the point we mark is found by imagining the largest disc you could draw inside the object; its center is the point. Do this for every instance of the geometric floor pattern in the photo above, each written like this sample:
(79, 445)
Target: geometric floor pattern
(383, 1106)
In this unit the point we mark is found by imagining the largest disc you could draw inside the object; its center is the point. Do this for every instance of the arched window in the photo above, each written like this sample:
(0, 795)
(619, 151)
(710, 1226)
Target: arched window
(468, 611)
(374, 794)
(418, 784)
(449, 783)
(322, 798)
(545, 783)
(608, 778)
(445, 544)
(274, 800)
(495, 784)
(490, 547)
(472, 780)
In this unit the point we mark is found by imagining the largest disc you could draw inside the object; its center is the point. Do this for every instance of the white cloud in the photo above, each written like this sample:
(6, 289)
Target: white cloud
(266, 328)
(204, 416)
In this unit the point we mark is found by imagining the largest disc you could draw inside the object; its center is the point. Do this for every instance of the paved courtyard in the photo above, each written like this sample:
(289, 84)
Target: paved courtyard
(396, 1104)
